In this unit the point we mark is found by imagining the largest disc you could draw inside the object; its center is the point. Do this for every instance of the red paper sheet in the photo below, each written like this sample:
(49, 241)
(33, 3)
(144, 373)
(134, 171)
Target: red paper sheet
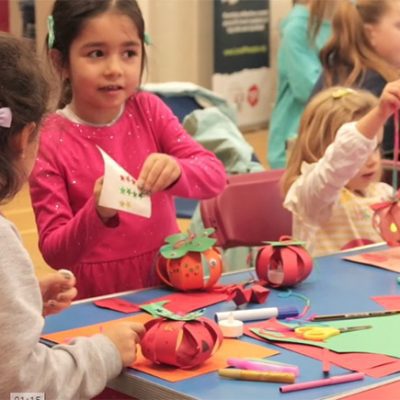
(179, 303)
(120, 305)
(388, 302)
(374, 365)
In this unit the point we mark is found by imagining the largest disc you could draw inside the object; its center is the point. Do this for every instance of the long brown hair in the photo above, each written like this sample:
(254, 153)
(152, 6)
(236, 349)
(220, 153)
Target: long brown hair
(324, 115)
(319, 10)
(349, 53)
(24, 90)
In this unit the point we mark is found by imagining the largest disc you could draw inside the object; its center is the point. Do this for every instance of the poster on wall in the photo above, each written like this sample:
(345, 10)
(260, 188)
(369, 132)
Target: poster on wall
(242, 71)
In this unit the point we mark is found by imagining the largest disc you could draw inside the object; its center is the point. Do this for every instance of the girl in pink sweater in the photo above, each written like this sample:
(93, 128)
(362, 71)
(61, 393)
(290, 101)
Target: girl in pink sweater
(97, 47)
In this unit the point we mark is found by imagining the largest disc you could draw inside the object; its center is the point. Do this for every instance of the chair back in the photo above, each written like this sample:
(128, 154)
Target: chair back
(249, 211)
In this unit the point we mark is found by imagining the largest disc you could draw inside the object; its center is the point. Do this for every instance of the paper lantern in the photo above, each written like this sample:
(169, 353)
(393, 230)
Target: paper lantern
(190, 262)
(386, 220)
(284, 263)
(182, 344)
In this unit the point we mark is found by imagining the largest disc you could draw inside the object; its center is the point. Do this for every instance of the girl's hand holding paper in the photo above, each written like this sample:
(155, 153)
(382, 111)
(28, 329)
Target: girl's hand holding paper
(159, 171)
(119, 191)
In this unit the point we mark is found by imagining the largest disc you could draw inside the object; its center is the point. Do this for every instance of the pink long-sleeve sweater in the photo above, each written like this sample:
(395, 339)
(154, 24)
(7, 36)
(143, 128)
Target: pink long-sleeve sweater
(121, 255)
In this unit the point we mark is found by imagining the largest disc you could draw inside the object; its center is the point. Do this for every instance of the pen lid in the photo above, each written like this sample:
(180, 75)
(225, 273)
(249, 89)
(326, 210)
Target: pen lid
(286, 312)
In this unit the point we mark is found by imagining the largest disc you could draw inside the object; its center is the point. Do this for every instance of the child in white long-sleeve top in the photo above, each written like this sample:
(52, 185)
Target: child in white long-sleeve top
(81, 369)
(333, 173)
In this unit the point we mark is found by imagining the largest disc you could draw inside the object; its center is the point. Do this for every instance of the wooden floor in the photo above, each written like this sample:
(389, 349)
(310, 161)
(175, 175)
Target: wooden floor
(19, 210)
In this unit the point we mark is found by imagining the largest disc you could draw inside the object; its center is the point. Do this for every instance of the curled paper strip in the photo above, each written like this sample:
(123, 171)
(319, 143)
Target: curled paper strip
(284, 263)
(386, 221)
(182, 344)
(189, 262)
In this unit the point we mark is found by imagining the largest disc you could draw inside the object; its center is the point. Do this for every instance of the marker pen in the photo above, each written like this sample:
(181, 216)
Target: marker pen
(334, 380)
(247, 375)
(262, 366)
(258, 313)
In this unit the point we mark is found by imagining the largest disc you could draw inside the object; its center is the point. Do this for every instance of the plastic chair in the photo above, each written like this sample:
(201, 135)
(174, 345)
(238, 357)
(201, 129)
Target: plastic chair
(181, 106)
(249, 212)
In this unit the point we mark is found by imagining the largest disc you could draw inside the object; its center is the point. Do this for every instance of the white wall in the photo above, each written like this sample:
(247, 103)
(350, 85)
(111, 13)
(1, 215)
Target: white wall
(182, 36)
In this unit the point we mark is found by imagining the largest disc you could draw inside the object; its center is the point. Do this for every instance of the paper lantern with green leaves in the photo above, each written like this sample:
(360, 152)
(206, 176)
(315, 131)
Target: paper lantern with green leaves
(183, 341)
(189, 261)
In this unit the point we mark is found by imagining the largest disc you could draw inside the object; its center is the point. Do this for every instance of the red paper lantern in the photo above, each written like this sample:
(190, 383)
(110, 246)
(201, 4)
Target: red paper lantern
(284, 263)
(182, 344)
(189, 262)
(386, 221)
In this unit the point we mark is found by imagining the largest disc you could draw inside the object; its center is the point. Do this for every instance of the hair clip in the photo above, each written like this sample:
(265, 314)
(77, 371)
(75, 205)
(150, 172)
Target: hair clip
(50, 28)
(5, 117)
(338, 93)
(147, 39)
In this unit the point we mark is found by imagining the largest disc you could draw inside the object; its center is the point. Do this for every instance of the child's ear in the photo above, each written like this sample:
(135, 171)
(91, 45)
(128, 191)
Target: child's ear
(370, 32)
(24, 138)
(56, 59)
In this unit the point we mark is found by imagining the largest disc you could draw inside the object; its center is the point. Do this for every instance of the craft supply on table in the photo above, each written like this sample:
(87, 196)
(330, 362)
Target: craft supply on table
(66, 273)
(320, 333)
(262, 365)
(247, 375)
(337, 317)
(356, 376)
(259, 313)
(231, 327)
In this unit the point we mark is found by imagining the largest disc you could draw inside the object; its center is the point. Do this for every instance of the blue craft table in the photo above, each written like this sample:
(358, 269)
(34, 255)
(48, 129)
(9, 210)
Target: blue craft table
(335, 286)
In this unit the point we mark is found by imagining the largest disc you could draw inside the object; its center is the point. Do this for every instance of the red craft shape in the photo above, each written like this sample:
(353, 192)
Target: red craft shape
(182, 344)
(386, 221)
(189, 262)
(284, 263)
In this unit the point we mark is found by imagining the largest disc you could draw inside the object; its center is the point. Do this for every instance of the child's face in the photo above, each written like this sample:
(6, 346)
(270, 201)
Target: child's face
(370, 172)
(385, 35)
(104, 67)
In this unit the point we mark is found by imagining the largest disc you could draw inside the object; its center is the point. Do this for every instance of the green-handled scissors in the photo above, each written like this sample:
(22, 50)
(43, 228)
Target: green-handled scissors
(320, 333)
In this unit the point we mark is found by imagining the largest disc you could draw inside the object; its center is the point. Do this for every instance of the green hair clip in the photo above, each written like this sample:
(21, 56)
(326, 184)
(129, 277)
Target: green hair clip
(50, 29)
(147, 39)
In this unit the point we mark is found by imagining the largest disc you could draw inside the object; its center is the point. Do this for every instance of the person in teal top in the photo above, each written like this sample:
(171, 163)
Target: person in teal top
(304, 32)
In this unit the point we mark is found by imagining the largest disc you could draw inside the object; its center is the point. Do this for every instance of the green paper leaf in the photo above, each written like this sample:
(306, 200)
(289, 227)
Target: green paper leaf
(182, 243)
(157, 309)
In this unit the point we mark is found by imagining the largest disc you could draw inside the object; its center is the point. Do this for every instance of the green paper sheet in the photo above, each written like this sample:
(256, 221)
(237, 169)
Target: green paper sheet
(382, 338)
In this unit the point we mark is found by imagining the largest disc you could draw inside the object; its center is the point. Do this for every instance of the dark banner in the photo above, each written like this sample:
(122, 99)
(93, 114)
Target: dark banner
(241, 35)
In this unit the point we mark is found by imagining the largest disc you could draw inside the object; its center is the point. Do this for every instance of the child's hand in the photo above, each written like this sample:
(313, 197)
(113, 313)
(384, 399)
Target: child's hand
(105, 213)
(159, 171)
(125, 336)
(389, 101)
(372, 122)
(58, 291)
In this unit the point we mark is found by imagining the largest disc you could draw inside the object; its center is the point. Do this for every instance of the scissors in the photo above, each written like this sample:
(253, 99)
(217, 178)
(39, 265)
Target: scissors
(320, 333)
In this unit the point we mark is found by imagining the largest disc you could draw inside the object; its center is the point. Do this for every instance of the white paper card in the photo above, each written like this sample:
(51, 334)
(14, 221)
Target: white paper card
(120, 191)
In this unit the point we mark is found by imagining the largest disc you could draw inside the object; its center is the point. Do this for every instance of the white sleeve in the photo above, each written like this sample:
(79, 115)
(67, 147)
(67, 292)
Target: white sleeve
(78, 370)
(315, 192)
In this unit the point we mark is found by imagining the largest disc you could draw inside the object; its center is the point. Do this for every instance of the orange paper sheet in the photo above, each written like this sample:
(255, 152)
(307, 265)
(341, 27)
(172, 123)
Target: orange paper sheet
(229, 348)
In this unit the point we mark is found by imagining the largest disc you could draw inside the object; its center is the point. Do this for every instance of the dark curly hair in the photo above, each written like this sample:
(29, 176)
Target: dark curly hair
(24, 90)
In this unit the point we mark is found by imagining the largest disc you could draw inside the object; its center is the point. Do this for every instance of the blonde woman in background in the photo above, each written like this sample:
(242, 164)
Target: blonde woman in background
(364, 50)
(304, 32)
